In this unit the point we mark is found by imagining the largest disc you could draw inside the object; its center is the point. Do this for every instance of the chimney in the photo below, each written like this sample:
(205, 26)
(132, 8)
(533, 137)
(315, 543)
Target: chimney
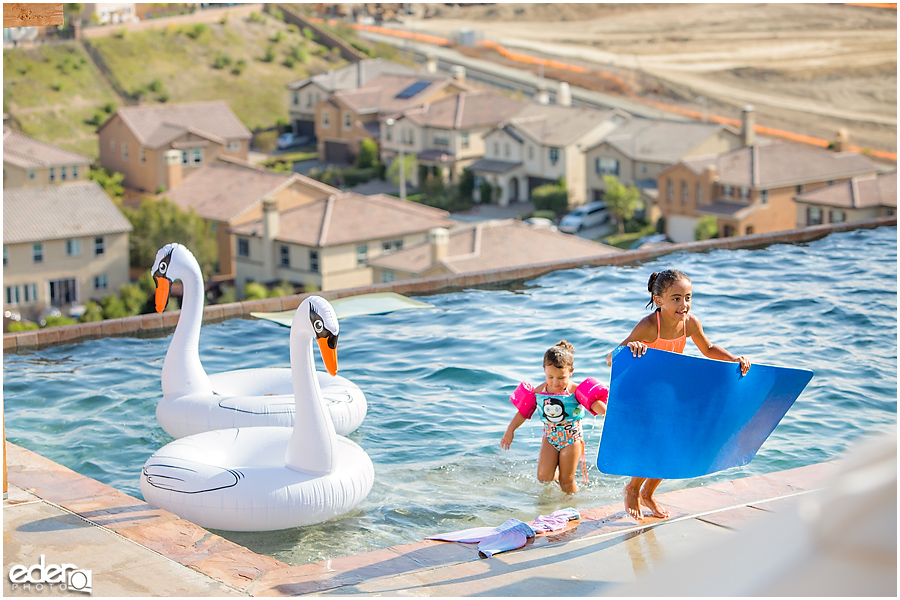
(459, 73)
(271, 224)
(439, 240)
(564, 94)
(748, 131)
(173, 169)
(842, 140)
(430, 63)
(708, 183)
(542, 96)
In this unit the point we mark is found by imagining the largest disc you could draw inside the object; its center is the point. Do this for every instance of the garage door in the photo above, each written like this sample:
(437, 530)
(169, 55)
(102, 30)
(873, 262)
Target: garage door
(338, 152)
(680, 229)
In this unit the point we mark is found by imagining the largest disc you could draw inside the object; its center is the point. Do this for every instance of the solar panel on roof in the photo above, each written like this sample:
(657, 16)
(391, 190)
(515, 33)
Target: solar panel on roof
(413, 89)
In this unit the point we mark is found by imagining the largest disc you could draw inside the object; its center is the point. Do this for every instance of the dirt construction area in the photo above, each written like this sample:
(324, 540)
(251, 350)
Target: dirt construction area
(810, 69)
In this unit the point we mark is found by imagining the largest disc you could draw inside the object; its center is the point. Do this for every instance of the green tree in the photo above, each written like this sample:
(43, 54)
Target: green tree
(485, 192)
(409, 165)
(110, 181)
(92, 312)
(159, 222)
(622, 200)
(466, 184)
(368, 154)
(706, 228)
(113, 307)
(134, 298)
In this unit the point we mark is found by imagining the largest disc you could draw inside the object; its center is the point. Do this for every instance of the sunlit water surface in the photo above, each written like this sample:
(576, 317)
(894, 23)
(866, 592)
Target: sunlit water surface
(437, 383)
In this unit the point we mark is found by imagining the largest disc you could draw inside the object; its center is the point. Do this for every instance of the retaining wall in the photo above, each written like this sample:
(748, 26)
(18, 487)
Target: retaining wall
(161, 324)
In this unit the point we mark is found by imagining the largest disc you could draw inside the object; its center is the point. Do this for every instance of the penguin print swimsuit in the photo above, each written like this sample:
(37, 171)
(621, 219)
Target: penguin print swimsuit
(561, 414)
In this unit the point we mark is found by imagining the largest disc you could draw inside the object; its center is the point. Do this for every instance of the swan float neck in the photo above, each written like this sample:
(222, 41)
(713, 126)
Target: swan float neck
(182, 371)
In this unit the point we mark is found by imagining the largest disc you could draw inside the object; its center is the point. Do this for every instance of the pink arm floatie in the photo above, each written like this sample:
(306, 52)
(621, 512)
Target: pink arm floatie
(589, 391)
(524, 400)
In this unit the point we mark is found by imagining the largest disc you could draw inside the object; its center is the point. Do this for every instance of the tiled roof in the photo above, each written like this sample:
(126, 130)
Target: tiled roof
(348, 218)
(57, 212)
(495, 245)
(464, 111)
(858, 192)
(28, 153)
(664, 142)
(157, 125)
(552, 125)
(380, 94)
(735, 210)
(490, 165)
(353, 75)
(782, 164)
(222, 192)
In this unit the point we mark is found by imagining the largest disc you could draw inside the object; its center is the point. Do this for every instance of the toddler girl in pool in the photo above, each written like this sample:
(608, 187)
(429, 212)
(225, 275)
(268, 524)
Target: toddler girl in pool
(667, 328)
(562, 405)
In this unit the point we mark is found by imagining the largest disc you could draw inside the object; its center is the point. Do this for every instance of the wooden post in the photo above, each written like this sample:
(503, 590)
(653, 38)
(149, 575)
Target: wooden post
(23, 14)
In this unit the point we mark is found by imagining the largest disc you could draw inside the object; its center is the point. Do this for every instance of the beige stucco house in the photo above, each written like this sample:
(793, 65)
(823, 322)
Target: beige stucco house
(62, 246)
(540, 144)
(28, 162)
(327, 244)
(855, 199)
(228, 194)
(134, 141)
(447, 135)
(347, 117)
(482, 246)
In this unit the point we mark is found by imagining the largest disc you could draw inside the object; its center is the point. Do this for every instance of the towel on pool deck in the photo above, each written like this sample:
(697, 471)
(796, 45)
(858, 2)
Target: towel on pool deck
(671, 416)
(511, 535)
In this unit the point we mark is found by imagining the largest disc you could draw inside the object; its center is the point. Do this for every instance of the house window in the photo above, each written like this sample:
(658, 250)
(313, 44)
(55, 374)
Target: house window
(296, 97)
(198, 155)
(745, 193)
(728, 191)
(234, 146)
(813, 215)
(391, 246)
(506, 150)
(497, 149)
(699, 194)
(800, 189)
(63, 291)
(554, 155)
(99, 246)
(5, 256)
(387, 132)
(441, 139)
(184, 157)
(684, 192)
(464, 140)
(727, 230)
(30, 292)
(73, 247)
(37, 252)
(530, 152)
(31, 174)
(52, 174)
(62, 173)
(101, 282)
(285, 256)
(314, 261)
(644, 169)
(124, 150)
(606, 166)
(748, 230)
(326, 119)
(836, 216)
(670, 190)
(143, 156)
(346, 120)
(12, 294)
(387, 276)
(309, 101)
(764, 196)
(362, 254)
(74, 171)
(112, 145)
(243, 247)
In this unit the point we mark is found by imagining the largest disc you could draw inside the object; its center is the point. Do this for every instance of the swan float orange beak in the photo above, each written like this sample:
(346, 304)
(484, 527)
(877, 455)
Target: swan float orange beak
(328, 347)
(162, 293)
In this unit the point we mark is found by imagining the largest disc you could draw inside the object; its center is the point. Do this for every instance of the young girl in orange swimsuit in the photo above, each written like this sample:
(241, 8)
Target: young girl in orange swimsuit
(667, 328)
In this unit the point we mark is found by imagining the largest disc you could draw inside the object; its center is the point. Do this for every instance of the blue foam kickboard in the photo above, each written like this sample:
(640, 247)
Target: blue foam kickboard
(671, 416)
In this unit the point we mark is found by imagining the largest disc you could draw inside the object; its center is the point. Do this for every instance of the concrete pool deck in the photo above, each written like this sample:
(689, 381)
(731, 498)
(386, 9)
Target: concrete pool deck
(134, 549)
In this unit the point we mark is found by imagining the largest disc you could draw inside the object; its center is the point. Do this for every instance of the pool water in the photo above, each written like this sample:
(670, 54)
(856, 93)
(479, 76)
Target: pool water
(437, 383)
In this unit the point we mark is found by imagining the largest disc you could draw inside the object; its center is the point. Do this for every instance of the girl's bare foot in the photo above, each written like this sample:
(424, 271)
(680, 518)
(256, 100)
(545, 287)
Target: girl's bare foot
(632, 504)
(655, 509)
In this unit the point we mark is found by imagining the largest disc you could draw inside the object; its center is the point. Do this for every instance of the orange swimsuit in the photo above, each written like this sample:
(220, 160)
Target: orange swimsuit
(676, 345)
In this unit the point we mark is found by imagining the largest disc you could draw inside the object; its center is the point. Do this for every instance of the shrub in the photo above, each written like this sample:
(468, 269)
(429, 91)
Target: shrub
(485, 192)
(228, 295)
(239, 67)
(706, 228)
(289, 62)
(309, 34)
(255, 291)
(221, 61)
(196, 31)
(282, 289)
(466, 184)
(59, 321)
(551, 197)
(279, 35)
(16, 326)
(155, 85)
(269, 55)
(92, 312)
(113, 307)
(368, 154)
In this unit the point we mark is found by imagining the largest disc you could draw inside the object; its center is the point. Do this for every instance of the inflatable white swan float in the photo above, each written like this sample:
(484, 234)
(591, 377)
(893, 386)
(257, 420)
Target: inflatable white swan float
(267, 478)
(194, 402)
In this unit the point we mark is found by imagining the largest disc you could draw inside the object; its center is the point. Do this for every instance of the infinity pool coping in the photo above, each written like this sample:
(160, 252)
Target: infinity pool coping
(249, 573)
(159, 324)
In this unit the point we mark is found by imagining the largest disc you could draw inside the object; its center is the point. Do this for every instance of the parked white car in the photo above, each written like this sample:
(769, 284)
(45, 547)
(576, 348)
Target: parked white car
(588, 215)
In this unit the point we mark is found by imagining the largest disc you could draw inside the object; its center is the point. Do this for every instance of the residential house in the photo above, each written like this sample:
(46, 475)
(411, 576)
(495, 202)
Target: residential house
(328, 244)
(28, 162)
(540, 145)
(134, 141)
(109, 13)
(305, 94)
(62, 246)
(855, 199)
(639, 150)
(447, 135)
(228, 194)
(350, 116)
(483, 246)
(750, 189)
